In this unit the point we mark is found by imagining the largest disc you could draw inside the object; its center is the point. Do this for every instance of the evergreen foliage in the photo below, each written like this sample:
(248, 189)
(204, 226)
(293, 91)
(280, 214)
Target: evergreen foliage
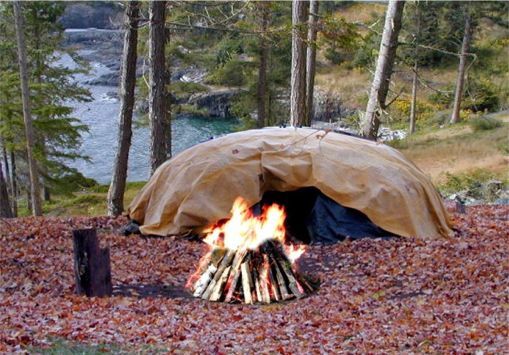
(57, 132)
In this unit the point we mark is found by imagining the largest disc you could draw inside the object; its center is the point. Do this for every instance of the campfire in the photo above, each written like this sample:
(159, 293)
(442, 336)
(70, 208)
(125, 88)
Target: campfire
(249, 260)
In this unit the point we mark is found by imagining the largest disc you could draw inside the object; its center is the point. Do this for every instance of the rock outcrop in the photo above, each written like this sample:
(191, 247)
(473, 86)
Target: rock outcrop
(100, 14)
(217, 102)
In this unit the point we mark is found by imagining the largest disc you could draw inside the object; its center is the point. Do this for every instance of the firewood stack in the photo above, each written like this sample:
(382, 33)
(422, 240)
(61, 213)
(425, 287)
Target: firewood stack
(264, 275)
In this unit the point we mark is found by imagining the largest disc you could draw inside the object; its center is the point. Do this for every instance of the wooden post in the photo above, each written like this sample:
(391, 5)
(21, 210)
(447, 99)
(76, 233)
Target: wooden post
(92, 268)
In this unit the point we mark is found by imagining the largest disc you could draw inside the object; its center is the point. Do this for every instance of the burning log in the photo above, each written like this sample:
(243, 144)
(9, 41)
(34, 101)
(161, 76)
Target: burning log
(247, 282)
(264, 275)
(250, 260)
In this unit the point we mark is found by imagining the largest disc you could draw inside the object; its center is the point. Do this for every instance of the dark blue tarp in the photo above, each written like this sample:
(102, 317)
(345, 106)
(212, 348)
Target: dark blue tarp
(312, 217)
(329, 222)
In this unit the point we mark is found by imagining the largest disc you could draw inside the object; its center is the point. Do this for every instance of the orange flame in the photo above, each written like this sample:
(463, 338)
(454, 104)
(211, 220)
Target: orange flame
(245, 231)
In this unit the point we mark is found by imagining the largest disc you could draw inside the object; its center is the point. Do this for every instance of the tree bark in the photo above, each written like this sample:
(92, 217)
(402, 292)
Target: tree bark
(14, 183)
(5, 205)
(7, 170)
(383, 72)
(460, 82)
(298, 71)
(159, 123)
(92, 268)
(35, 191)
(127, 87)
(413, 103)
(262, 70)
(311, 59)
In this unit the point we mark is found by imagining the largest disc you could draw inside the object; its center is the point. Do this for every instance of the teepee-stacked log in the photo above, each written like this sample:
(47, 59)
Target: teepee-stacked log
(248, 276)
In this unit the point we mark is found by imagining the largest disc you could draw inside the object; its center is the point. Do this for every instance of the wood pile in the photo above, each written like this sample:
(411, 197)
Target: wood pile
(263, 276)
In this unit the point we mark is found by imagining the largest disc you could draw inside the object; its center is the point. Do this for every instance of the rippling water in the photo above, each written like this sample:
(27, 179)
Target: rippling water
(101, 116)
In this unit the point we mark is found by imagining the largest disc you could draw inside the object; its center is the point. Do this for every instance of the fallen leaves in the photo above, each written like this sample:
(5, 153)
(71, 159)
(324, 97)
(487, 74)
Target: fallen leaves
(375, 295)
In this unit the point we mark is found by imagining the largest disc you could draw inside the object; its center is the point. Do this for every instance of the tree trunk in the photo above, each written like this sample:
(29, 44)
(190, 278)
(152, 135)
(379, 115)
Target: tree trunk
(127, 86)
(14, 185)
(460, 82)
(35, 191)
(7, 170)
(383, 72)
(92, 268)
(159, 124)
(5, 205)
(413, 103)
(311, 59)
(298, 71)
(262, 70)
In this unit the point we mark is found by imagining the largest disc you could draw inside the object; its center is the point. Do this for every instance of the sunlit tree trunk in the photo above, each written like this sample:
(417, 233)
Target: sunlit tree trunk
(35, 191)
(262, 69)
(383, 72)
(7, 170)
(413, 103)
(14, 185)
(159, 123)
(311, 59)
(460, 82)
(127, 86)
(5, 205)
(298, 70)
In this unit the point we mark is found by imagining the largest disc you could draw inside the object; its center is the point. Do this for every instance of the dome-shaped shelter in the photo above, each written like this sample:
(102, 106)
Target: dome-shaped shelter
(198, 186)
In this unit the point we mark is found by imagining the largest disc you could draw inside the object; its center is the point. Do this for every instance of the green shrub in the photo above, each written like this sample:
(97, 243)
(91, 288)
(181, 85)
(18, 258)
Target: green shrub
(484, 123)
(470, 181)
(440, 118)
(232, 73)
(181, 88)
(481, 95)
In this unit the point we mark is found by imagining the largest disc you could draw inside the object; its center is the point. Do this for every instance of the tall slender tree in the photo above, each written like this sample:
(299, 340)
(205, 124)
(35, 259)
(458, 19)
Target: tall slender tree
(311, 59)
(35, 191)
(460, 82)
(262, 85)
(160, 130)
(383, 72)
(14, 185)
(5, 205)
(415, 74)
(127, 86)
(298, 71)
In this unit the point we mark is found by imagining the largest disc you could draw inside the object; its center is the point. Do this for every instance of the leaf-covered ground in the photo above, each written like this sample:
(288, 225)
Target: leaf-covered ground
(375, 295)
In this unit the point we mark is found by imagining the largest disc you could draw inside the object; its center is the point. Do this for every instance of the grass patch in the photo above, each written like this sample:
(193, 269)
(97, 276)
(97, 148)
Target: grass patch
(484, 123)
(89, 202)
(457, 149)
(471, 181)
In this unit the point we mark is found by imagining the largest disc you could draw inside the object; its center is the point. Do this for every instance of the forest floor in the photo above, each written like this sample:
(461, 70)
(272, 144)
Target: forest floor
(394, 295)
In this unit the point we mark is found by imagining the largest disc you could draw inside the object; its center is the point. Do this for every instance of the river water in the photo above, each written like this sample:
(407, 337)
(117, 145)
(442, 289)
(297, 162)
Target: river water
(101, 116)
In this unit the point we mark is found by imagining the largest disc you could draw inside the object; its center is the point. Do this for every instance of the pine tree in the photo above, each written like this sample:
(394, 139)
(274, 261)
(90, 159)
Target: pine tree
(57, 134)
(383, 72)
(160, 129)
(298, 73)
(35, 193)
(311, 58)
(460, 83)
(127, 86)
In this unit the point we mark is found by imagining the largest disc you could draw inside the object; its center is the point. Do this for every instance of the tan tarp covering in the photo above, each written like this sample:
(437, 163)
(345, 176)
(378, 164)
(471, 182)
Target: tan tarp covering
(198, 186)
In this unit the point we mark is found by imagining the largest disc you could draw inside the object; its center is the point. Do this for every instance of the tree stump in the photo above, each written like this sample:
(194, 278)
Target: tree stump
(92, 268)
